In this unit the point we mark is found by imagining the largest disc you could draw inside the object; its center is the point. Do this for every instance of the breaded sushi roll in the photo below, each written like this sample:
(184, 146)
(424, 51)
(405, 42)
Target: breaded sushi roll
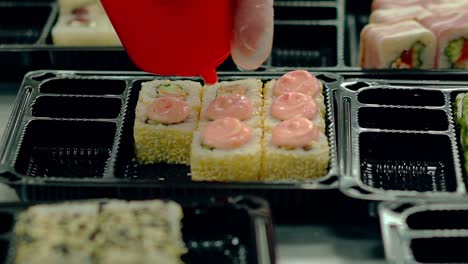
(399, 14)
(451, 31)
(241, 99)
(296, 94)
(140, 232)
(402, 45)
(226, 149)
(84, 233)
(56, 234)
(166, 117)
(295, 149)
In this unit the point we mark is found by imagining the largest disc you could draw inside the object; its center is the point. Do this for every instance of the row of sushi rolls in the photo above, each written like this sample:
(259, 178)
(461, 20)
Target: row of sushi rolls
(92, 232)
(238, 130)
(416, 34)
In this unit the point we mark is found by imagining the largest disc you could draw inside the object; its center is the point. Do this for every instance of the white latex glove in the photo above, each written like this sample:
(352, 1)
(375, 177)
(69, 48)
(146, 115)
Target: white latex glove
(253, 33)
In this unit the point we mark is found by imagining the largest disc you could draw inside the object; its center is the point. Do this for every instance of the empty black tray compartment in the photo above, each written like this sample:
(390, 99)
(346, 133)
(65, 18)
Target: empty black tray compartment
(304, 46)
(22, 24)
(402, 118)
(76, 107)
(65, 148)
(218, 235)
(291, 10)
(407, 162)
(409, 97)
(83, 87)
(438, 219)
(440, 250)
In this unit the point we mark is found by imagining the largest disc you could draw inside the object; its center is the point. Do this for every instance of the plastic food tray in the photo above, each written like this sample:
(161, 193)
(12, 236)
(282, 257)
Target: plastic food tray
(71, 130)
(235, 230)
(392, 136)
(399, 139)
(425, 233)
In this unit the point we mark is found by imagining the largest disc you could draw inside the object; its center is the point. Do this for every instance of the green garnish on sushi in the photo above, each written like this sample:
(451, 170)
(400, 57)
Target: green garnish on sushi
(411, 58)
(458, 106)
(454, 49)
(461, 116)
(417, 48)
(457, 53)
(171, 90)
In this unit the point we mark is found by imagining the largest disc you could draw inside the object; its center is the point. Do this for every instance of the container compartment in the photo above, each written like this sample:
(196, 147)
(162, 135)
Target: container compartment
(6, 222)
(440, 249)
(83, 87)
(402, 118)
(304, 46)
(407, 162)
(441, 235)
(405, 97)
(76, 107)
(231, 242)
(299, 11)
(71, 149)
(22, 24)
(4, 247)
(438, 219)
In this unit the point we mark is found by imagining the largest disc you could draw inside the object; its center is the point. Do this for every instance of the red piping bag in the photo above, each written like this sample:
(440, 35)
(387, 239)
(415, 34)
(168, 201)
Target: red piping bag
(174, 37)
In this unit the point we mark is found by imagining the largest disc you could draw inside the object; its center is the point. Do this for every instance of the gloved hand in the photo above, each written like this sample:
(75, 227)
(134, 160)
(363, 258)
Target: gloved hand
(253, 33)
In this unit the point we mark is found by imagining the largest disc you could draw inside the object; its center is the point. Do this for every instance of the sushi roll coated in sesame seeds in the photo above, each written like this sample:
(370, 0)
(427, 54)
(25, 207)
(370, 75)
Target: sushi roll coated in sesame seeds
(165, 119)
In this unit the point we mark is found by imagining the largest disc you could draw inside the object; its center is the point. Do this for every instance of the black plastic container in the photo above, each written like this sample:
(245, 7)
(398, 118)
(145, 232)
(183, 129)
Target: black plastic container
(398, 137)
(425, 233)
(77, 153)
(234, 230)
(55, 141)
(399, 153)
(308, 34)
